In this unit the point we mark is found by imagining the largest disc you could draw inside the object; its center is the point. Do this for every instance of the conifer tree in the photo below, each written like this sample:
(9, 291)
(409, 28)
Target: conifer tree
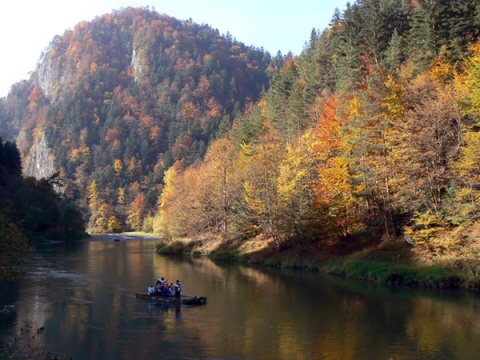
(394, 55)
(429, 30)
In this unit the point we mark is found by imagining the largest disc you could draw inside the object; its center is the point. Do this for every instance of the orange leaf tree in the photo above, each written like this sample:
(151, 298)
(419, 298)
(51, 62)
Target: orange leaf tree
(334, 187)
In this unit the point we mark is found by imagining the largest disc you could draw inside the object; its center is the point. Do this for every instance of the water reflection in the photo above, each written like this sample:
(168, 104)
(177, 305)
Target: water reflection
(84, 296)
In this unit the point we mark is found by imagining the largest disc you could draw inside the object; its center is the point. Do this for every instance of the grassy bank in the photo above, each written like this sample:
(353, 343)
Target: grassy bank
(378, 272)
(392, 264)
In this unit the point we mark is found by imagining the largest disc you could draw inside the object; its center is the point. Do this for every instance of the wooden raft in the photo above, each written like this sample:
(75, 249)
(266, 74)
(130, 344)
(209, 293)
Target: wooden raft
(184, 299)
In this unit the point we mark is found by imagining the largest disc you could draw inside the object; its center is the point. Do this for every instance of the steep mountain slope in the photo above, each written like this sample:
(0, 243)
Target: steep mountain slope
(120, 99)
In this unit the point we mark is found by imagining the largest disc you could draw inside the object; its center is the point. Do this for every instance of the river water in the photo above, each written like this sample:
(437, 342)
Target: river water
(84, 297)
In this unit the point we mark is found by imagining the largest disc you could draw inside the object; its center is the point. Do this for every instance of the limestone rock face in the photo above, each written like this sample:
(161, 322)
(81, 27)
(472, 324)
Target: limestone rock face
(39, 162)
(51, 74)
(136, 63)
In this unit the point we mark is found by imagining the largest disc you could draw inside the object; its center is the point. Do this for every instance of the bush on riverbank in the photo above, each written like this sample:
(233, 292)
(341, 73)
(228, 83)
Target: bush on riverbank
(173, 248)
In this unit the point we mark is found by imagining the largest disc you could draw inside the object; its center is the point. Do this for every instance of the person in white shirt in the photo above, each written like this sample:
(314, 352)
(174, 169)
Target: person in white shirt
(151, 290)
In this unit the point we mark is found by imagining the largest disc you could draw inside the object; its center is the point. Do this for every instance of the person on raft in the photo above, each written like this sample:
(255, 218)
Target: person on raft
(159, 282)
(163, 289)
(178, 289)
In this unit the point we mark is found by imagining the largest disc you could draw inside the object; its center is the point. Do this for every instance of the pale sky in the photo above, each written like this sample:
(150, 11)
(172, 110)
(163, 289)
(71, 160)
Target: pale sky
(28, 26)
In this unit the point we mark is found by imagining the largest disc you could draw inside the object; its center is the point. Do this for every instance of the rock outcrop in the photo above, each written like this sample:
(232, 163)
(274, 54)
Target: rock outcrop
(39, 162)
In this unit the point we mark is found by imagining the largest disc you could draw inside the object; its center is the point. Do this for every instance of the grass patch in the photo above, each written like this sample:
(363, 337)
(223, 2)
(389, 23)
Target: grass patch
(440, 278)
(390, 274)
(368, 271)
(229, 256)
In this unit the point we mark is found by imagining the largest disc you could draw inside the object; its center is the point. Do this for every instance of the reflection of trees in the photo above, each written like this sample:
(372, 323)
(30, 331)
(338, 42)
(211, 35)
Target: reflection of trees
(372, 322)
(295, 315)
(438, 326)
(257, 312)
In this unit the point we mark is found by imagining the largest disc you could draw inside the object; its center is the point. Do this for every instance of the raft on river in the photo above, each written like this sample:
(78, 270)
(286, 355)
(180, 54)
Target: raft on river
(184, 299)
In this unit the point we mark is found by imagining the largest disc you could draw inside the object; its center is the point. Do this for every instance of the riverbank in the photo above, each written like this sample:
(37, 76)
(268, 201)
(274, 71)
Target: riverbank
(122, 236)
(390, 263)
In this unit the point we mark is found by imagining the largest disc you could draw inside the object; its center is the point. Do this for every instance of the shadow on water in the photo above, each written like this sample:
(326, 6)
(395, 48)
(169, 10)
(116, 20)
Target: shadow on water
(9, 293)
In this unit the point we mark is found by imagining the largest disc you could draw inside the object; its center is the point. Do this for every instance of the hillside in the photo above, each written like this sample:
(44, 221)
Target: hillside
(117, 101)
(365, 145)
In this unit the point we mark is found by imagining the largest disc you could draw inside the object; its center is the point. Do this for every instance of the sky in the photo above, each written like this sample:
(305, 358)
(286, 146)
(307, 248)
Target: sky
(28, 26)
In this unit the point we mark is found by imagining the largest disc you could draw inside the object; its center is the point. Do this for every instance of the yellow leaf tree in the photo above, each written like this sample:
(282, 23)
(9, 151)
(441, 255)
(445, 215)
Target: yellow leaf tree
(223, 165)
(295, 187)
(136, 212)
(467, 168)
(261, 186)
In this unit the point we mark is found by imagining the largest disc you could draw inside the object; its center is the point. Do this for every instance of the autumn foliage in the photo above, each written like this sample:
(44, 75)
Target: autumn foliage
(353, 139)
(371, 132)
(124, 97)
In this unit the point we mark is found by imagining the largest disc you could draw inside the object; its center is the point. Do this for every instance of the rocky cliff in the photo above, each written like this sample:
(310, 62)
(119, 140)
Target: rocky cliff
(39, 162)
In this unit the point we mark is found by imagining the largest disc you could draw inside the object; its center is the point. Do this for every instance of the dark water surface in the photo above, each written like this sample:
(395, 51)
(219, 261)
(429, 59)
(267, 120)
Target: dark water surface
(84, 296)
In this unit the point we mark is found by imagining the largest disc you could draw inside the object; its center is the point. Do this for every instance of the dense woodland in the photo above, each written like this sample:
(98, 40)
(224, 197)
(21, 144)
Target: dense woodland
(35, 206)
(30, 209)
(168, 126)
(372, 132)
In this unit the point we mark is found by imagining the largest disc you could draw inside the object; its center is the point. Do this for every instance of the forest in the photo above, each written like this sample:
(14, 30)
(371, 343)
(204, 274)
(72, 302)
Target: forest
(370, 134)
(166, 126)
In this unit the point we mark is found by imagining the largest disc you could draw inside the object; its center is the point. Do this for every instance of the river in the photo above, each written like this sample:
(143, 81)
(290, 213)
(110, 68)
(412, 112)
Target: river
(84, 297)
